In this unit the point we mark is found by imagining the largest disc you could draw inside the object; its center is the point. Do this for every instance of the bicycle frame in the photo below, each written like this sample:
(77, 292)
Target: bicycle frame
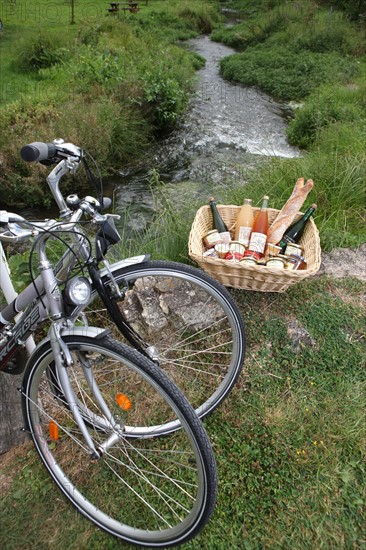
(33, 310)
(40, 300)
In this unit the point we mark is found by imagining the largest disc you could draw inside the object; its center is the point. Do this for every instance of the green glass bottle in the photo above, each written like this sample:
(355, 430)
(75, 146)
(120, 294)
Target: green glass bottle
(218, 222)
(294, 232)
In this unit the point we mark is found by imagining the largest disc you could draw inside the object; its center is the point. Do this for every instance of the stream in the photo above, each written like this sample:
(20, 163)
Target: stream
(227, 129)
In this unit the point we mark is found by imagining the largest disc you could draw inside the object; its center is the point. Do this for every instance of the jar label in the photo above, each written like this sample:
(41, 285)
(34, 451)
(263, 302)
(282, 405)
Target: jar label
(244, 234)
(258, 242)
(225, 236)
(292, 248)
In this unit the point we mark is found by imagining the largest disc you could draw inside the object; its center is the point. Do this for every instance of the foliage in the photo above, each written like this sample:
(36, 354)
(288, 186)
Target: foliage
(279, 72)
(326, 29)
(109, 85)
(39, 51)
(289, 439)
(326, 106)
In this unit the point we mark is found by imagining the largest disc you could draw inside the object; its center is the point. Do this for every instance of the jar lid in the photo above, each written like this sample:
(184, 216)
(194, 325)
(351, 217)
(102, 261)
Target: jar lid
(275, 260)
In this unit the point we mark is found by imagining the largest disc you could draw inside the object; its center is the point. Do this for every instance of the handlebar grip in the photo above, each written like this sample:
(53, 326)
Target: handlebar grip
(38, 151)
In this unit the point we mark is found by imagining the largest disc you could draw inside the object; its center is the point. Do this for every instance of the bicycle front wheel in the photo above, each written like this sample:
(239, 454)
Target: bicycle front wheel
(190, 320)
(147, 490)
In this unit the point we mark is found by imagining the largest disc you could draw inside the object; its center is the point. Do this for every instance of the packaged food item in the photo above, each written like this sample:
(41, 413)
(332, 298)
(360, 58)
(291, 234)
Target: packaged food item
(276, 263)
(248, 261)
(222, 249)
(288, 212)
(235, 246)
(212, 238)
(210, 253)
(296, 262)
(292, 248)
(295, 231)
(273, 249)
(234, 256)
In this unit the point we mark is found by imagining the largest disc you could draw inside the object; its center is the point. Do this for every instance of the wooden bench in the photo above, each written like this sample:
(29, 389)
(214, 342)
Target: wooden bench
(132, 7)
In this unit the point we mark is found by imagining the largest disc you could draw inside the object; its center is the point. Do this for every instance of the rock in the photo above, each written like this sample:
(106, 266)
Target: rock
(154, 304)
(345, 262)
(299, 337)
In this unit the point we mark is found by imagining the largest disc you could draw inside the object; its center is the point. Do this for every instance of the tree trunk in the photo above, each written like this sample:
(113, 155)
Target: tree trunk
(11, 417)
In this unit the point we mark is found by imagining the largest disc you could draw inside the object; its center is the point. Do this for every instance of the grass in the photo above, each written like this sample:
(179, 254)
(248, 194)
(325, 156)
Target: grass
(110, 84)
(288, 441)
(322, 72)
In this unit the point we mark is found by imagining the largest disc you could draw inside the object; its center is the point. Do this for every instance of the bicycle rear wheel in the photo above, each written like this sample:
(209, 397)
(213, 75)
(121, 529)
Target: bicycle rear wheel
(189, 319)
(147, 490)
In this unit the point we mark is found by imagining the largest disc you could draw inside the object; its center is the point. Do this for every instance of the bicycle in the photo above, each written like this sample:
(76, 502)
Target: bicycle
(93, 408)
(194, 331)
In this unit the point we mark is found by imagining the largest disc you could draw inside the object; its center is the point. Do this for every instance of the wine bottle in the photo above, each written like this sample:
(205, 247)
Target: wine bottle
(258, 238)
(218, 222)
(294, 232)
(244, 223)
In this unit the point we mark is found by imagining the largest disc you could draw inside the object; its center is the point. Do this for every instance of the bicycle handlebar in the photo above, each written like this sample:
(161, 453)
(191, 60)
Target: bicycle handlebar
(39, 151)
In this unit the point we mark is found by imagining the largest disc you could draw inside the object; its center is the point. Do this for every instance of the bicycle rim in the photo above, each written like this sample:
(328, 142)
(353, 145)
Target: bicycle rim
(146, 490)
(190, 320)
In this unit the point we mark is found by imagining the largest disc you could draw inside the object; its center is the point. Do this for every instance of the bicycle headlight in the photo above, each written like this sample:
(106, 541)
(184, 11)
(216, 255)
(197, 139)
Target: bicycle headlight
(78, 291)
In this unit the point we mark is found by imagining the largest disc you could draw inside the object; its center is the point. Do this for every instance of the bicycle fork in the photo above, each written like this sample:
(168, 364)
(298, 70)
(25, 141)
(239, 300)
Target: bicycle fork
(64, 361)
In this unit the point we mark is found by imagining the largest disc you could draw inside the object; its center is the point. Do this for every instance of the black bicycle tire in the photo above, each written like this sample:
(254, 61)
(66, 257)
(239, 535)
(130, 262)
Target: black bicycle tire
(202, 278)
(191, 421)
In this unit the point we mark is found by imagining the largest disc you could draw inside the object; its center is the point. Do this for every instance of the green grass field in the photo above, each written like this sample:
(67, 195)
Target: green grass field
(290, 439)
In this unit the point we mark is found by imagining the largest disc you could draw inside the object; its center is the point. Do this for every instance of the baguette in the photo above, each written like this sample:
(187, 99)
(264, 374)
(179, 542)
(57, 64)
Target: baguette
(286, 216)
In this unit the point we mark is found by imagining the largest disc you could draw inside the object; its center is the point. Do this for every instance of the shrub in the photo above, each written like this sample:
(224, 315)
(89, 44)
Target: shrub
(39, 52)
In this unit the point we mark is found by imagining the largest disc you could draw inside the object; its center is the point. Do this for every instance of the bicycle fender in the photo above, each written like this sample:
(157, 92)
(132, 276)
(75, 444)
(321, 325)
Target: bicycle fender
(91, 332)
(125, 263)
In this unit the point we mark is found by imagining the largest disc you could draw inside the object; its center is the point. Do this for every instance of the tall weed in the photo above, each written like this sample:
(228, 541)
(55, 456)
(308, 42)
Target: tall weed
(40, 51)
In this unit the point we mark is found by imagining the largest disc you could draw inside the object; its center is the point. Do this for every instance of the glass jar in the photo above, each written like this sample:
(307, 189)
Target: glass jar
(296, 262)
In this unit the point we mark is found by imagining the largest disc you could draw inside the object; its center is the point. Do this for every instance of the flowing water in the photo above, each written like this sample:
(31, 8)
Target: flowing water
(226, 130)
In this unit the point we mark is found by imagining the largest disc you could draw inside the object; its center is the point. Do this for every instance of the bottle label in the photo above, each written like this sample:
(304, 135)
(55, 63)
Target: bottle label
(244, 234)
(258, 242)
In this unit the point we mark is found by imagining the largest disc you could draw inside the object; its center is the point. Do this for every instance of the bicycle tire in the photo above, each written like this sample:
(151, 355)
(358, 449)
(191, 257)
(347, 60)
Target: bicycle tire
(169, 484)
(194, 302)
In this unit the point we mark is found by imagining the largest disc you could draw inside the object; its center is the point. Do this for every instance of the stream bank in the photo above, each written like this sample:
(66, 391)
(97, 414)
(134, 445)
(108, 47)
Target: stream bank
(227, 131)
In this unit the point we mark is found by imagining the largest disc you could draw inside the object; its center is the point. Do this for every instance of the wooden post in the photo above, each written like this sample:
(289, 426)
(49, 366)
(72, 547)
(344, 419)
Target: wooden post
(72, 22)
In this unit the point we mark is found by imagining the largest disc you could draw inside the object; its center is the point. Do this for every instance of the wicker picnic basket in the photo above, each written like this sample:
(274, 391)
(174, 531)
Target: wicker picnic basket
(237, 275)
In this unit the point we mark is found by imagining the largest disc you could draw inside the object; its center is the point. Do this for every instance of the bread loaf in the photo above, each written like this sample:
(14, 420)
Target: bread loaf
(286, 216)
